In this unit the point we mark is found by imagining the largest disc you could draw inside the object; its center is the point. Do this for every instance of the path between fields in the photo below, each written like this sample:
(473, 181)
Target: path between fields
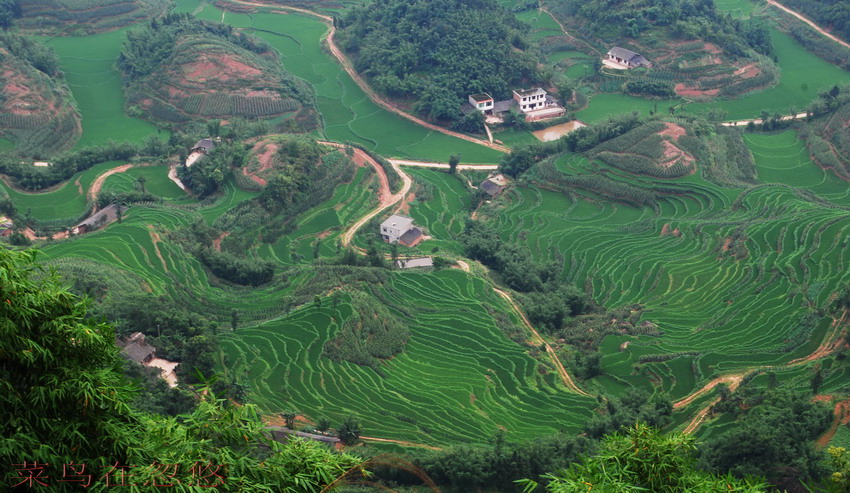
(97, 184)
(842, 417)
(830, 344)
(400, 442)
(377, 99)
(809, 22)
(537, 339)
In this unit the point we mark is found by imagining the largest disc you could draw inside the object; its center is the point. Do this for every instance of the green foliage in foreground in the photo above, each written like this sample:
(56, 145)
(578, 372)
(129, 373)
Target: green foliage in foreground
(643, 459)
(66, 401)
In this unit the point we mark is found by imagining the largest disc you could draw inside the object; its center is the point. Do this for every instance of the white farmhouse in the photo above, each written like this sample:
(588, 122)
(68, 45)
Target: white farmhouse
(530, 99)
(482, 102)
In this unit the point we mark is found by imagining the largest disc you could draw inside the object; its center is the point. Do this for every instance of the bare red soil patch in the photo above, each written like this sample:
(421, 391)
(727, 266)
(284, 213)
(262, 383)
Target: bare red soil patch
(673, 130)
(673, 155)
(748, 71)
(841, 417)
(683, 90)
(217, 241)
(711, 48)
(221, 68)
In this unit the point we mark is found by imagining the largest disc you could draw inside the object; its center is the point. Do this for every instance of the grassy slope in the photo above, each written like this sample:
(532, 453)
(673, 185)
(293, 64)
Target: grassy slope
(87, 62)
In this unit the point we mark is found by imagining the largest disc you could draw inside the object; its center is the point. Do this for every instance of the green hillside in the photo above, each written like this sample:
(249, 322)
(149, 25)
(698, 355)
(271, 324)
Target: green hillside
(85, 16)
(180, 69)
(436, 53)
(37, 112)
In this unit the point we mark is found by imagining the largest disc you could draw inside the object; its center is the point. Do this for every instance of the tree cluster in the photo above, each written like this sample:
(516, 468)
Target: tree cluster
(438, 51)
(372, 333)
(687, 19)
(546, 300)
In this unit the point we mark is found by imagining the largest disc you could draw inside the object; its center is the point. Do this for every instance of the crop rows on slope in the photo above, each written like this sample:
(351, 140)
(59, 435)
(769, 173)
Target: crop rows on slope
(459, 380)
(729, 280)
(349, 202)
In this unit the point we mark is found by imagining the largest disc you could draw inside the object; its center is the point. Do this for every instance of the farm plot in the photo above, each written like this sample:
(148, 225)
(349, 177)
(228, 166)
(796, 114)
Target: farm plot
(325, 222)
(87, 62)
(729, 279)
(67, 202)
(156, 182)
(459, 380)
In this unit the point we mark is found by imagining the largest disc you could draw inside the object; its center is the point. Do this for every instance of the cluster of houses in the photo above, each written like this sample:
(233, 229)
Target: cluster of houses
(535, 103)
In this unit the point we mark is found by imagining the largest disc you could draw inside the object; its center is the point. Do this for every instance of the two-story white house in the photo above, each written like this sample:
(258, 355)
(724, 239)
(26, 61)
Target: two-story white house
(393, 228)
(530, 99)
(482, 102)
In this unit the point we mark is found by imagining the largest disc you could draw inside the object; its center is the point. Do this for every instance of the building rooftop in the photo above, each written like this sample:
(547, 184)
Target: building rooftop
(411, 263)
(480, 98)
(529, 92)
(629, 55)
(491, 188)
(205, 144)
(398, 221)
(503, 106)
(411, 236)
(103, 216)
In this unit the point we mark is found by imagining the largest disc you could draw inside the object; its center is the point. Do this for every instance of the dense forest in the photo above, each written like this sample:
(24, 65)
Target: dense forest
(832, 13)
(438, 52)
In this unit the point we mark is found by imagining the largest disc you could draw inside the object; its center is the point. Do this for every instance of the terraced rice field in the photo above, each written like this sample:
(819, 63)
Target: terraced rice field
(729, 289)
(459, 380)
(736, 8)
(542, 24)
(326, 222)
(87, 62)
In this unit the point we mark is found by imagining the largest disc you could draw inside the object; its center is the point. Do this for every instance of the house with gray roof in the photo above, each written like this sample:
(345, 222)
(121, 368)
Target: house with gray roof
(412, 263)
(136, 349)
(627, 58)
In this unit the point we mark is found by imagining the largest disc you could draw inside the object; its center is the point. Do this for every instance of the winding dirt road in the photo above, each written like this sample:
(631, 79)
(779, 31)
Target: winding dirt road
(537, 339)
(809, 22)
(400, 442)
(831, 343)
(377, 99)
(97, 184)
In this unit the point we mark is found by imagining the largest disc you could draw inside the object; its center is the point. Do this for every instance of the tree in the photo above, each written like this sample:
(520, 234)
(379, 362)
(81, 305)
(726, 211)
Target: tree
(66, 400)
(642, 459)
(817, 381)
(317, 302)
(454, 160)
(349, 431)
(141, 180)
(289, 419)
(234, 319)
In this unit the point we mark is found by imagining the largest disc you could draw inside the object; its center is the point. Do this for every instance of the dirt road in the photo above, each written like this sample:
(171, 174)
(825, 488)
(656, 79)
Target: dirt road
(428, 164)
(377, 99)
(97, 184)
(400, 442)
(537, 339)
(809, 22)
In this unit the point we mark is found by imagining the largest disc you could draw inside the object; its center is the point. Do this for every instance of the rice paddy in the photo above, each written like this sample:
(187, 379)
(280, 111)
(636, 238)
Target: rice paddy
(87, 62)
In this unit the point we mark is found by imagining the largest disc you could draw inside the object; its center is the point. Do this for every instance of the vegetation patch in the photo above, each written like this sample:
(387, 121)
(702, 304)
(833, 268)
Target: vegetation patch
(436, 53)
(179, 69)
(86, 16)
(37, 111)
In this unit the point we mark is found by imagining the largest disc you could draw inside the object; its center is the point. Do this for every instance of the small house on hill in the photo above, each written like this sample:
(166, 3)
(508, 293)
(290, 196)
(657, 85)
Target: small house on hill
(491, 188)
(203, 147)
(136, 349)
(530, 99)
(412, 263)
(626, 58)
(101, 218)
(400, 229)
(482, 102)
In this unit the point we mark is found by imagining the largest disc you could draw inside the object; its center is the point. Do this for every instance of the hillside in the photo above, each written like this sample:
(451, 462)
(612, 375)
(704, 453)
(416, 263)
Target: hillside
(834, 14)
(181, 69)
(436, 53)
(85, 16)
(696, 51)
(37, 111)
